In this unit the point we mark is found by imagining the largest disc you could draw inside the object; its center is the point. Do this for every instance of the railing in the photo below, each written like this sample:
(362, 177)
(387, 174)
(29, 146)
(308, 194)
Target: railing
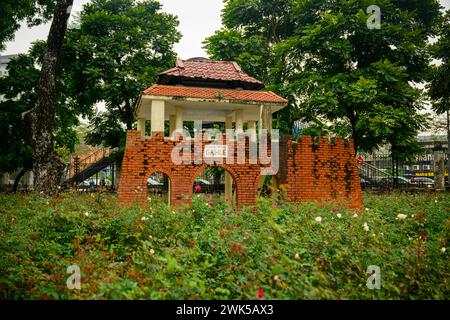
(77, 164)
(379, 171)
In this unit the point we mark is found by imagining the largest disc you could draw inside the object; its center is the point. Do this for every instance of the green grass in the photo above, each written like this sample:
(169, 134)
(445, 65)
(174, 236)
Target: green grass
(200, 252)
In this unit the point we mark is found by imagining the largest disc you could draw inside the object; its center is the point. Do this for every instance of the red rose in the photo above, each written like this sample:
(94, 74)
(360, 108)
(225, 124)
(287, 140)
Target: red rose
(260, 293)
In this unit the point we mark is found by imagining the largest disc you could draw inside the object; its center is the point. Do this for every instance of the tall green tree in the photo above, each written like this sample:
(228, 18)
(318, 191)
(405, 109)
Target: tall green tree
(439, 86)
(47, 166)
(18, 91)
(337, 71)
(251, 31)
(117, 49)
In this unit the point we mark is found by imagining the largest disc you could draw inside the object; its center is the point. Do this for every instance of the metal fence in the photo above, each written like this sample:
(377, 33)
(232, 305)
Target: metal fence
(381, 171)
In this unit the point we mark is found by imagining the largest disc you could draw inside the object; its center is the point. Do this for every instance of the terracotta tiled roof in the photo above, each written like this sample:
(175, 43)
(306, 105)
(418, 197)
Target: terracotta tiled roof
(213, 93)
(201, 69)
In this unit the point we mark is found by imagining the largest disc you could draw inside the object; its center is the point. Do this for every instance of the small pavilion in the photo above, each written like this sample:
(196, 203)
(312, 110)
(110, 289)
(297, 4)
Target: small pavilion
(310, 168)
(211, 91)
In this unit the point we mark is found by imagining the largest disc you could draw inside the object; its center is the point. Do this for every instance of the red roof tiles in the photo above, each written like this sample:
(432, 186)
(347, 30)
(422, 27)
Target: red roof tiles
(202, 69)
(213, 93)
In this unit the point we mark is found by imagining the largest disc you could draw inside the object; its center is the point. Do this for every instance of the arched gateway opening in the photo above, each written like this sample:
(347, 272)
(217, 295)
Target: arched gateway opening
(217, 184)
(158, 188)
(218, 94)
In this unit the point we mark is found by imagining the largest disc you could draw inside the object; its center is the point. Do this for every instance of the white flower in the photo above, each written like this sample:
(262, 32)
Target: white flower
(365, 226)
(150, 237)
(149, 199)
(86, 214)
(401, 216)
(367, 209)
(443, 249)
(152, 252)
(297, 256)
(318, 219)
(413, 215)
(339, 215)
(144, 218)
(435, 201)
(276, 278)
(355, 215)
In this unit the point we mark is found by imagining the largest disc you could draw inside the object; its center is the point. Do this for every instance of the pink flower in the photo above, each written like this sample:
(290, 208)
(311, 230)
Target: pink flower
(227, 213)
(192, 244)
(198, 188)
(275, 206)
(214, 247)
(334, 209)
(209, 196)
(260, 293)
(239, 214)
(211, 203)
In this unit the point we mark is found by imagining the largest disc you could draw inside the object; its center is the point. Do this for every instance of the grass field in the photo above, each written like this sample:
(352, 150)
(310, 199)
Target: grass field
(282, 251)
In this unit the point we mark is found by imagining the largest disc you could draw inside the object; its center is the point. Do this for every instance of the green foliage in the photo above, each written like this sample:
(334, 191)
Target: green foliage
(19, 95)
(113, 54)
(13, 12)
(200, 252)
(439, 87)
(333, 69)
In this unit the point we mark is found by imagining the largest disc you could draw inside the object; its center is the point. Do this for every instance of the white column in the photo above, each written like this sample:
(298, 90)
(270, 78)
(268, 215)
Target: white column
(178, 118)
(228, 178)
(157, 116)
(141, 126)
(239, 121)
(252, 129)
(198, 126)
(171, 124)
(265, 117)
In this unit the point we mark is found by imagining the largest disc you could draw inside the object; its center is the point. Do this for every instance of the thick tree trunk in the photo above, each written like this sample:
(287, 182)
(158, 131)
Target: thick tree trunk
(17, 179)
(448, 147)
(47, 166)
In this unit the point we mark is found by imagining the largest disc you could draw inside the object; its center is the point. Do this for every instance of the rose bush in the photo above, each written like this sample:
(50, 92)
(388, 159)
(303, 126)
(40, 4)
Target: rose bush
(277, 251)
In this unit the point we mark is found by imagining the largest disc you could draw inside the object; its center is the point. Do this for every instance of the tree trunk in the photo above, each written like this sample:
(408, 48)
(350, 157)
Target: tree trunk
(448, 147)
(17, 179)
(47, 166)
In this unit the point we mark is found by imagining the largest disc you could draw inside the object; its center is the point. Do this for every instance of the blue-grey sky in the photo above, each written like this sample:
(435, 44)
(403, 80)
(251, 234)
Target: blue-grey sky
(198, 20)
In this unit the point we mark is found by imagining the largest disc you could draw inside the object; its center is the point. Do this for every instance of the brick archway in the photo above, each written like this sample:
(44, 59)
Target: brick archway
(144, 156)
(166, 172)
(309, 170)
(226, 167)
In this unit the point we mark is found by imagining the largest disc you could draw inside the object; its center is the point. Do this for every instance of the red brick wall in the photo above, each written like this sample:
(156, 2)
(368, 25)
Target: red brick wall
(310, 171)
(315, 169)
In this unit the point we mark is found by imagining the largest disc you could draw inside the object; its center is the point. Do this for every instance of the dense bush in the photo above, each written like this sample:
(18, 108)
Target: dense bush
(284, 251)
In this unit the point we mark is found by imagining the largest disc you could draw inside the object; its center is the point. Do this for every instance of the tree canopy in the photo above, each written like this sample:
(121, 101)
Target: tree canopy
(115, 52)
(13, 12)
(336, 71)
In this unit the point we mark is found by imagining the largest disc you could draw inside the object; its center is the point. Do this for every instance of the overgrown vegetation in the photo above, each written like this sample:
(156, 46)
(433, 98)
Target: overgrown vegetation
(208, 252)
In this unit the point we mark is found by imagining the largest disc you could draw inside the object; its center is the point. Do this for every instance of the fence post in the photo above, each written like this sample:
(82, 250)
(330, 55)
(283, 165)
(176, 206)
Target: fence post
(439, 168)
